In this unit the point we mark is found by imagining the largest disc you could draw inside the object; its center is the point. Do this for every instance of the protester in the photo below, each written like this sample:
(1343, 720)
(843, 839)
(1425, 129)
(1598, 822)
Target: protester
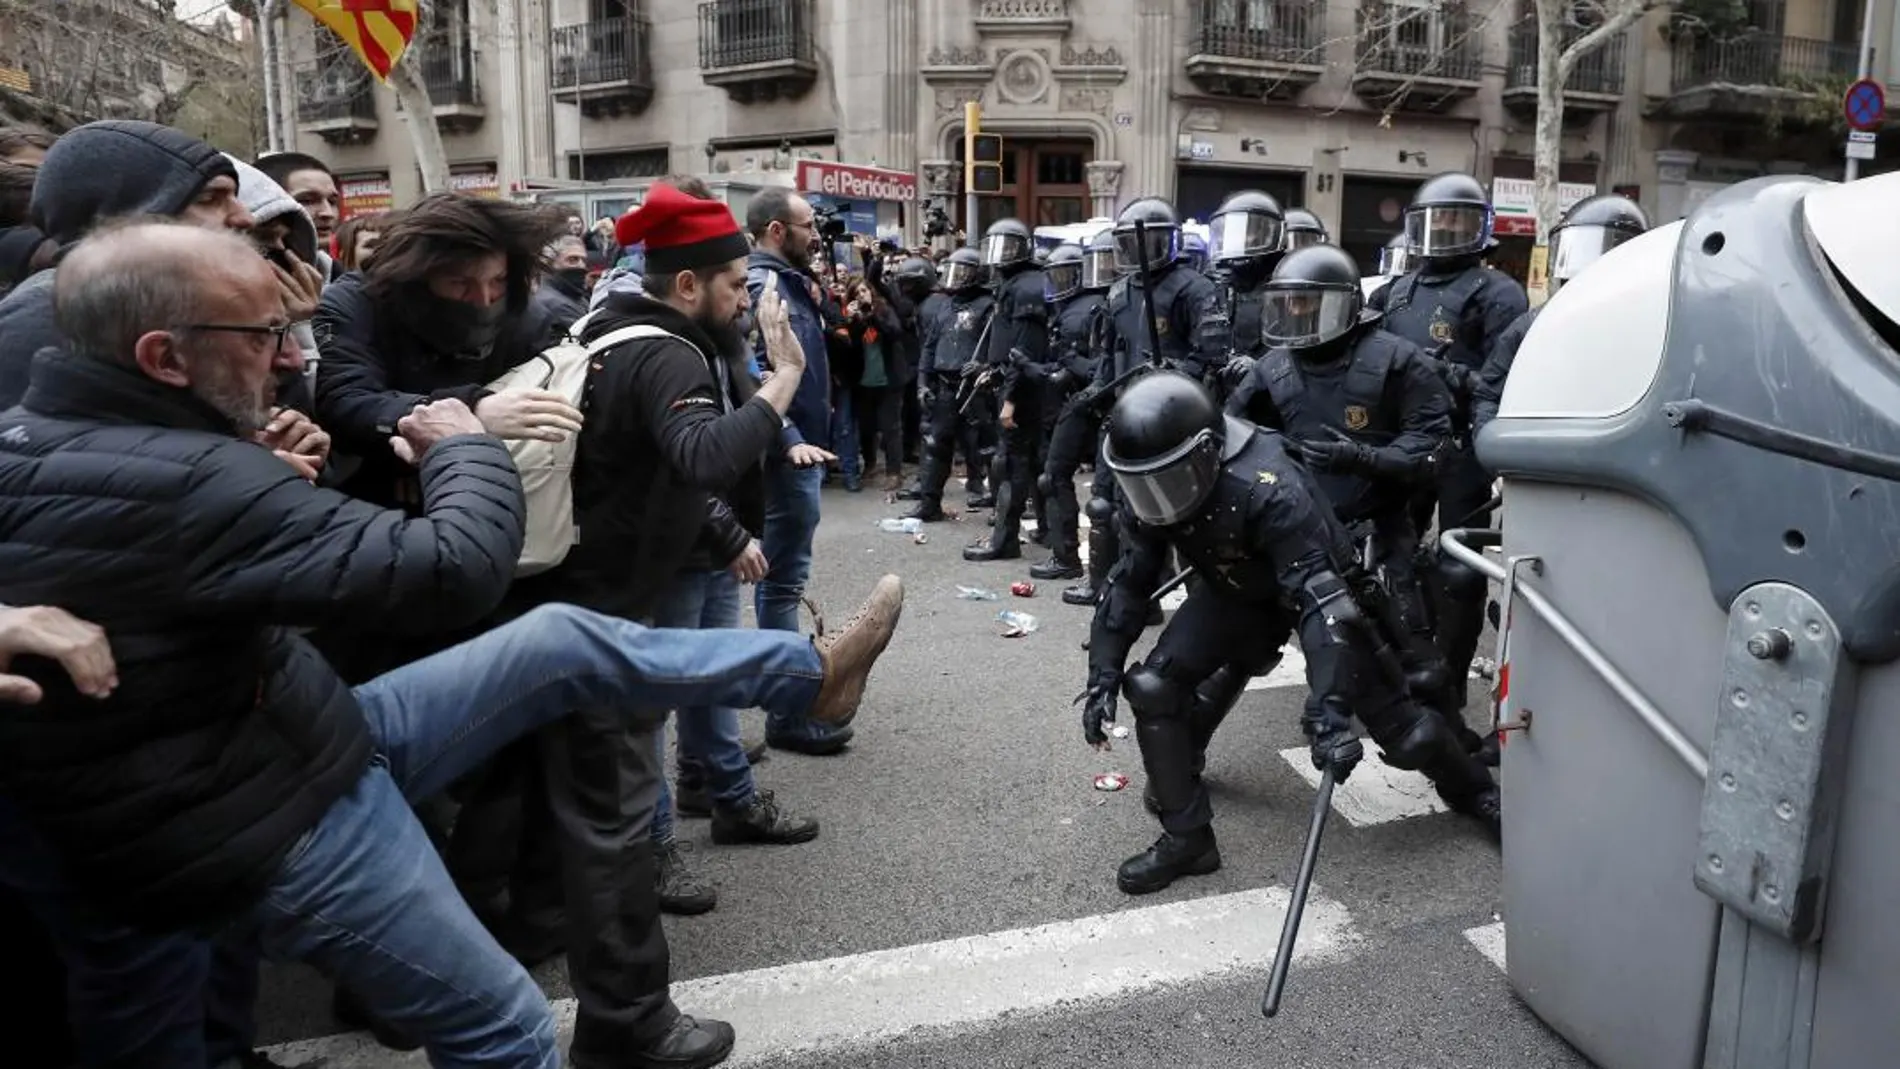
(314, 188)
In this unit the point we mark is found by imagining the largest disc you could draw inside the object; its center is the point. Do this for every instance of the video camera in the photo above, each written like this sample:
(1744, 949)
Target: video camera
(936, 221)
(826, 221)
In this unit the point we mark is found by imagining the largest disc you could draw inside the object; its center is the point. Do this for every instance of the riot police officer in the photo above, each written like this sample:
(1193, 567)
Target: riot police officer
(1592, 227)
(1454, 308)
(1303, 228)
(916, 300)
(1078, 285)
(1194, 252)
(957, 415)
(1189, 324)
(1246, 237)
(1396, 258)
(1365, 412)
(1017, 349)
(1272, 559)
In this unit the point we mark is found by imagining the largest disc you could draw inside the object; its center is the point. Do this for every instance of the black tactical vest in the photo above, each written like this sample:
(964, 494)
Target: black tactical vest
(1128, 312)
(1022, 317)
(1246, 307)
(962, 327)
(1353, 400)
(1444, 317)
(1074, 320)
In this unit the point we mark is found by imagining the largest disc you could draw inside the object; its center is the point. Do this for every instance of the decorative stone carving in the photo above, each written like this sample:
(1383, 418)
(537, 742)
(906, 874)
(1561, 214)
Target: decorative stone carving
(1105, 179)
(1095, 100)
(1026, 10)
(1089, 57)
(958, 56)
(1023, 77)
(940, 177)
(1203, 119)
(950, 101)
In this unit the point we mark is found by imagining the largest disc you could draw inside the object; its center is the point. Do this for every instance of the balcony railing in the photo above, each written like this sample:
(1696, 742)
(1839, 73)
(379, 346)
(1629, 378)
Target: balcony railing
(1418, 41)
(747, 33)
(1759, 59)
(1266, 31)
(448, 69)
(334, 92)
(1600, 71)
(604, 53)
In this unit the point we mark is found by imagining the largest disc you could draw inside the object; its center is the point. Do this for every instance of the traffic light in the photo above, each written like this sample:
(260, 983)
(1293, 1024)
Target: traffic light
(983, 173)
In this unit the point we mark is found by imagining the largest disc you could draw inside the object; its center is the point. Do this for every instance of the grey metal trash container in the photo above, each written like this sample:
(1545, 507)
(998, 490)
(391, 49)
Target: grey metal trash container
(1700, 447)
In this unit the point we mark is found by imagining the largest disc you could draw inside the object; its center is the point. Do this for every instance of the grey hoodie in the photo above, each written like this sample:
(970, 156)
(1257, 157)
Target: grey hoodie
(266, 200)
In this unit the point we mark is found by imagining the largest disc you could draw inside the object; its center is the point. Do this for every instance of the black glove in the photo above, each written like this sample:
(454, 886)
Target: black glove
(1335, 457)
(1459, 379)
(1236, 371)
(926, 397)
(1098, 708)
(1059, 377)
(1330, 738)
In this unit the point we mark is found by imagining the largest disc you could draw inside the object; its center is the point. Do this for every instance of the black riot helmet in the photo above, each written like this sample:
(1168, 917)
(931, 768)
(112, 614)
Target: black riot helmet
(916, 275)
(1164, 446)
(1041, 256)
(1313, 298)
(1007, 243)
(1248, 226)
(1162, 227)
(1303, 228)
(963, 271)
(1592, 227)
(1449, 217)
(1098, 262)
(1396, 257)
(1063, 272)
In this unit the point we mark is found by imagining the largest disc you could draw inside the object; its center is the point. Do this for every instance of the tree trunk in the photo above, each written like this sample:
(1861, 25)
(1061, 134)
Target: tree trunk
(419, 112)
(1547, 153)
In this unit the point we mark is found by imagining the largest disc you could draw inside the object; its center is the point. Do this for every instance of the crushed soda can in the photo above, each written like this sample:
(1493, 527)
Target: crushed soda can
(1119, 731)
(1110, 781)
(920, 539)
(1023, 589)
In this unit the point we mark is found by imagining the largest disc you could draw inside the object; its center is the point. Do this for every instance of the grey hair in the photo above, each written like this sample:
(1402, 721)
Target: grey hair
(134, 276)
(563, 243)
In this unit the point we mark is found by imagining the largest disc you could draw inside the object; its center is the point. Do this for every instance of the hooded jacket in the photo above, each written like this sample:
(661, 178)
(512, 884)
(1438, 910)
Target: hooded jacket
(810, 417)
(96, 172)
(267, 201)
(674, 430)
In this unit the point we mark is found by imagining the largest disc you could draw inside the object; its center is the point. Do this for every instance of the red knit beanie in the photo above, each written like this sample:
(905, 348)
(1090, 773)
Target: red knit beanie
(681, 233)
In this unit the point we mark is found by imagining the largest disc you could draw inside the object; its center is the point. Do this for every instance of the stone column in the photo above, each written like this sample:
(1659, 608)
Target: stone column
(1105, 186)
(902, 47)
(1153, 173)
(512, 91)
(1672, 184)
(536, 120)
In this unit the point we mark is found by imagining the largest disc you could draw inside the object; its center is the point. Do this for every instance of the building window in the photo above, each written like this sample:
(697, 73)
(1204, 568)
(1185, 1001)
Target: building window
(619, 166)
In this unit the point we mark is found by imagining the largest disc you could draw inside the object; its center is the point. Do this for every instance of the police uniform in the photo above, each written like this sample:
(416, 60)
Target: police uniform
(1073, 362)
(1380, 394)
(951, 339)
(1273, 559)
(1489, 389)
(1455, 310)
(1017, 352)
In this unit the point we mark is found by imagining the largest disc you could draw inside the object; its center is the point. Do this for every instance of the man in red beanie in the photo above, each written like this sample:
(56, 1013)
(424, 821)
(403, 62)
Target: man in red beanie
(666, 495)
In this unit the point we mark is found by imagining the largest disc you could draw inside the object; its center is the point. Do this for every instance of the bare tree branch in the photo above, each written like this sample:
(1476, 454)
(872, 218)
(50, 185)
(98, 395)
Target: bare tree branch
(1556, 61)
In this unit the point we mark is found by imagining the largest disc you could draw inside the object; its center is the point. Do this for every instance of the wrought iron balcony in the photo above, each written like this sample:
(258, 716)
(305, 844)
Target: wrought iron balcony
(603, 66)
(449, 69)
(336, 101)
(1751, 75)
(1595, 83)
(1419, 56)
(1258, 48)
(758, 49)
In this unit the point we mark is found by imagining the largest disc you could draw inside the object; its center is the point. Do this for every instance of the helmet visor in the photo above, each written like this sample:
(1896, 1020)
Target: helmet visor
(1098, 269)
(1001, 250)
(1394, 260)
(1447, 229)
(1164, 243)
(1172, 487)
(1299, 317)
(1242, 236)
(1062, 280)
(1573, 248)
(958, 275)
(1300, 239)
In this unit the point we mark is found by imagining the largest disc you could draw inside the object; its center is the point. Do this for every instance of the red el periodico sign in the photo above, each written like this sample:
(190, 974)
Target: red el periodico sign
(855, 183)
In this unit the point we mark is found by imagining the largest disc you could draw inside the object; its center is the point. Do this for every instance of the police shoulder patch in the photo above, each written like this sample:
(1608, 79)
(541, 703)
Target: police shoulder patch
(1357, 417)
(1266, 477)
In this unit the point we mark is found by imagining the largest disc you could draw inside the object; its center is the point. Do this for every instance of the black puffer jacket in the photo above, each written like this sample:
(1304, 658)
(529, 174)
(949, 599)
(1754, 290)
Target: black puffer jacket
(131, 504)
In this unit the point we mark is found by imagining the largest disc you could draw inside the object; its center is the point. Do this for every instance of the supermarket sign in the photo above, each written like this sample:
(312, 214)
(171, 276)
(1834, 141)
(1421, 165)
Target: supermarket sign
(1514, 204)
(847, 182)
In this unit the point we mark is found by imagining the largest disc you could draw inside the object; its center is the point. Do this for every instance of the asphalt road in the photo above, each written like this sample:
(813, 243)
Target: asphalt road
(965, 807)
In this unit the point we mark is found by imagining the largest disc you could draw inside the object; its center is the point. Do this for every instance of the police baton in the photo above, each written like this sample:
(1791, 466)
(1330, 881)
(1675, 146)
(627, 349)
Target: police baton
(1290, 931)
(1171, 585)
(1148, 292)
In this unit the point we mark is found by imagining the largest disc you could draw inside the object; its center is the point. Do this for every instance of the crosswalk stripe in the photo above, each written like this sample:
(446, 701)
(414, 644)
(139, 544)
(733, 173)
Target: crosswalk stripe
(1290, 672)
(869, 998)
(1376, 793)
(1489, 939)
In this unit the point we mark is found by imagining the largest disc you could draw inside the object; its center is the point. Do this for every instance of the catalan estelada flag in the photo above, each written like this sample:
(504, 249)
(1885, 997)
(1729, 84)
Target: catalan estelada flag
(378, 30)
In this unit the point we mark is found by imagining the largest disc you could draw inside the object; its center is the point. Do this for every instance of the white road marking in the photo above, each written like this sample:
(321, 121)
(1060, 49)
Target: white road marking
(1489, 939)
(1376, 793)
(865, 999)
(1290, 672)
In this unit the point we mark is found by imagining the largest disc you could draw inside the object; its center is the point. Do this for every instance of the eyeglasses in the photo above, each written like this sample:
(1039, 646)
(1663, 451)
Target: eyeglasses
(278, 334)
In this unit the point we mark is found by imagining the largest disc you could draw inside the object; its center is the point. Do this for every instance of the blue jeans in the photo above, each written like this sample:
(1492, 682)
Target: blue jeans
(844, 434)
(710, 746)
(791, 522)
(134, 998)
(364, 897)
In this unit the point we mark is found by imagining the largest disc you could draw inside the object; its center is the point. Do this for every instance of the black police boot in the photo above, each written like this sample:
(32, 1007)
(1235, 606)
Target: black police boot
(1170, 858)
(1485, 805)
(981, 499)
(929, 510)
(689, 1044)
(1082, 593)
(1103, 550)
(1064, 565)
(989, 549)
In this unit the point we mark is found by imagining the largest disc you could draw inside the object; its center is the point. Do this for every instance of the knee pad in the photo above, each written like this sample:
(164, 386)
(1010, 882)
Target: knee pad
(1459, 582)
(1218, 692)
(1100, 510)
(1045, 485)
(1152, 695)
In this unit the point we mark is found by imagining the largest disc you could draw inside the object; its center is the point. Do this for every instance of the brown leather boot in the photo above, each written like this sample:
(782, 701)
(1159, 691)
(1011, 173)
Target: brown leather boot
(849, 653)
